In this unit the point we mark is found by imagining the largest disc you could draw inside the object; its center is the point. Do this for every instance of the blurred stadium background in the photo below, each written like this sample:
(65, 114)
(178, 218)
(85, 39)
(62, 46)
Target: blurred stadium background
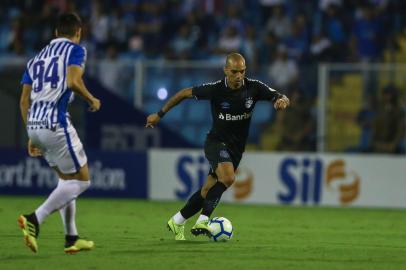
(333, 58)
(342, 63)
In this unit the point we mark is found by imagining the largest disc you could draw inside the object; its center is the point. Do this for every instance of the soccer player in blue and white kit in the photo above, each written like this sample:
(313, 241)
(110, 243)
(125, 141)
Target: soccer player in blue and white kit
(49, 83)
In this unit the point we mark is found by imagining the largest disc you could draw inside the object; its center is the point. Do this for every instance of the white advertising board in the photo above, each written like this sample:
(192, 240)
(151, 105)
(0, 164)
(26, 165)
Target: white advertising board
(292, 178)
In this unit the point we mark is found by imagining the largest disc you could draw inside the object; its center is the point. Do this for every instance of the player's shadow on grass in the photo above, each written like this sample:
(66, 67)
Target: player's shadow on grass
(176, 246)
(185, 242)
(23, 257)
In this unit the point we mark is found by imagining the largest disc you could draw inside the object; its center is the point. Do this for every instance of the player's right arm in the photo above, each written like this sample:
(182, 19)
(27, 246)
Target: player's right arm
(154, 118)
(76, 84)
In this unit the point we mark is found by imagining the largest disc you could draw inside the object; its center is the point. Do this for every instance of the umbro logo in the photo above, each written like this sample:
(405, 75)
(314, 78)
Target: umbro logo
(225, 105)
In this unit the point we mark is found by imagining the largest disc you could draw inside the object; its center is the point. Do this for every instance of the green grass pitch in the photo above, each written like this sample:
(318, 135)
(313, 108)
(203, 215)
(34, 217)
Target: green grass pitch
(131, 234)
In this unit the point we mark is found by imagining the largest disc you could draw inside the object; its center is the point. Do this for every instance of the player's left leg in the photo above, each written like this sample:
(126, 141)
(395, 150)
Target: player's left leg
(68, 213)
(195, 203)
(73, 243)
(226, 177)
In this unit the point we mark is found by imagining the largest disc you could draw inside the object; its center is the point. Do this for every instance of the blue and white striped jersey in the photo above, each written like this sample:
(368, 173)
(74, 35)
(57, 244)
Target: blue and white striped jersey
(46, 73)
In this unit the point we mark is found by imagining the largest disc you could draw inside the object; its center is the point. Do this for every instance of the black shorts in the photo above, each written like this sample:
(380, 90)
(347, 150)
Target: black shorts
(217, 152)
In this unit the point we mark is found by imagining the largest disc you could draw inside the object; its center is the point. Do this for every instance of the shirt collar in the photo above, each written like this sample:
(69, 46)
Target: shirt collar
(60, 40)
(226, 84)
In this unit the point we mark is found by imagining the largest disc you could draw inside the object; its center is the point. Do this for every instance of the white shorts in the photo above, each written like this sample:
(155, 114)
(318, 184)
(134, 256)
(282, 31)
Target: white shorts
(61, 148)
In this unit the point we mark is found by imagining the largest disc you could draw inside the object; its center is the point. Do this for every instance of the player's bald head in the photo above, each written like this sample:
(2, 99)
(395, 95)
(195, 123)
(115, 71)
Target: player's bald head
(235, 70)
(235, 60)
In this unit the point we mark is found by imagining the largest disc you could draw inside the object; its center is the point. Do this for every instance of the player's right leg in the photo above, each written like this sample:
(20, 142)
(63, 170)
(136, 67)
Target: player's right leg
(177, 223)
(30, 228)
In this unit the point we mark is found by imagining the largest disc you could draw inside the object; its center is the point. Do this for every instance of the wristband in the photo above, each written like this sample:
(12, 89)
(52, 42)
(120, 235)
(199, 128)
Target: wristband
(160, 114)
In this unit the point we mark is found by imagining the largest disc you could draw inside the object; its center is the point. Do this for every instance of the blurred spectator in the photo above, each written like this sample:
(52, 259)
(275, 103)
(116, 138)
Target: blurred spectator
(278, 23)
(15, 37)
(87, 41)
(321, 49)
(297, 43)
(204, 28)
(99, 25)
(149, 24)
(298, 128)
(267, 48)
(108, 71)
(234, 19)
(118, 29)
(334, 26)
(367, 33)
(388, 127)
(267, 7)
(183, 43)
(250, 47)
(229, 41)
(283, 71)
(135, 44)
(325, 4)
(365, 118)
(113, 73)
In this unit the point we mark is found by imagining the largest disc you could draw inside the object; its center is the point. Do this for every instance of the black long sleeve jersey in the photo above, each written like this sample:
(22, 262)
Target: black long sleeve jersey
(231, 109)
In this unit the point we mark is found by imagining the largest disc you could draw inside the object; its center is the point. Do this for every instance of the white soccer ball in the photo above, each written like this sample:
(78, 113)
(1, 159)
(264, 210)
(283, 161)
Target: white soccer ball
(221, 229)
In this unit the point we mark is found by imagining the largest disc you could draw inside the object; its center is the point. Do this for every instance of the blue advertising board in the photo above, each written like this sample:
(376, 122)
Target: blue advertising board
(113, 174)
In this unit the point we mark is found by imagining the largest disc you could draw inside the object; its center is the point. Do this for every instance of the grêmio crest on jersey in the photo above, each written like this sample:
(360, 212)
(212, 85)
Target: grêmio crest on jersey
(248, 102)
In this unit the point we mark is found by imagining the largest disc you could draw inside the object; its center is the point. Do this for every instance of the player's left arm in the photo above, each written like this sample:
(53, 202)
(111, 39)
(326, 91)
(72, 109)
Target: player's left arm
(76, 84)
(280, 101)
(76, 65)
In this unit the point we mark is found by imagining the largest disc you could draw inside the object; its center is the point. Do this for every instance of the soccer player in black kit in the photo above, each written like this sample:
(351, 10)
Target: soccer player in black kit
(232, 102)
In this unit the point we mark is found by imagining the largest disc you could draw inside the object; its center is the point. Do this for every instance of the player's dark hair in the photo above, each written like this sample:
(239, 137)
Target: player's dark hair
(68, 24)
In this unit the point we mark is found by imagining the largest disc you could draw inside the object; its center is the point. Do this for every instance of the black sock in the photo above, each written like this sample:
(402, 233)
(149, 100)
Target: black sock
(213, 198)
(193, 205)
(32, 218)
(70, 240)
